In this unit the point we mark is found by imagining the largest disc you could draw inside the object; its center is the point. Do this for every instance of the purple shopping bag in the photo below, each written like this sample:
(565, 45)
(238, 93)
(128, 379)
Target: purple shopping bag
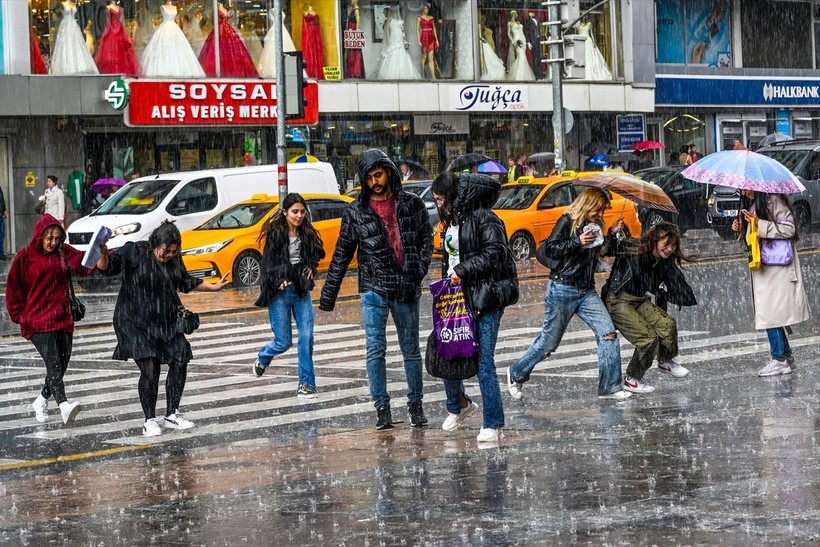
(453, 323)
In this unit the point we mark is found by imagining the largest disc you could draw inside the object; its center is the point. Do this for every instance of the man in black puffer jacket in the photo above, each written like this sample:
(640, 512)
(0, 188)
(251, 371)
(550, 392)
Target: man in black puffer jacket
(391, 230)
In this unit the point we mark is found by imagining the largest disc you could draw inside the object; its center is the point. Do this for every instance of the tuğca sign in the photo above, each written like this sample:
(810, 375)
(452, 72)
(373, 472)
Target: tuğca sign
(211, 102)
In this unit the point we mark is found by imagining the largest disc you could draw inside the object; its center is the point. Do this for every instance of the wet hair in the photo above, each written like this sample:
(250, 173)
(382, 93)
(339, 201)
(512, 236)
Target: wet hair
(276, 227)
(649, 239)
(761, 202)
(49, 229)
(446, 184)
(53, 178)
(589, 200)
(166, 234)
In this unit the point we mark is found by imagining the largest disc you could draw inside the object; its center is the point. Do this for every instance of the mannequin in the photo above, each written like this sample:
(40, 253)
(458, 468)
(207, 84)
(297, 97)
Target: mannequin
(395, 62)
(234, 59)
(486, 32)
(37, 64)
(517, 65)
(428, 40)
(70, 54)
(354, 61)
(492, 68)
(532, 30)
(596, 66)
(312, 50)
(168, 53)
(267, 62)
(115, 54)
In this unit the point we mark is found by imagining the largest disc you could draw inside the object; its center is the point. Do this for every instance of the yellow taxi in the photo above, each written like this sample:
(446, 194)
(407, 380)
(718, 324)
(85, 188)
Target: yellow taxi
(229, 242)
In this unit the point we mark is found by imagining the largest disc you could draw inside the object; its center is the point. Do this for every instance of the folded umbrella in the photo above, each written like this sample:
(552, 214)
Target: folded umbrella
(634, 189)
(466, 161)
(745, 170)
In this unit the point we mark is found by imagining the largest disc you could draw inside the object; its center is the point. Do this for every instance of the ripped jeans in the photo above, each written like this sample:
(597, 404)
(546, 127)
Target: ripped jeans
(560, 304)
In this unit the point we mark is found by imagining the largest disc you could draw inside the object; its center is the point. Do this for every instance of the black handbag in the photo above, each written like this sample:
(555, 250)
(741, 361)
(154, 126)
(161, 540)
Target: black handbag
(76, 305)
(543, 259)
(187, 321)
(40, 207)
(438, 367)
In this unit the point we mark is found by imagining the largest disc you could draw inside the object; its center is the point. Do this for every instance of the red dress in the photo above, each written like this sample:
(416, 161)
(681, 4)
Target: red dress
(115, 54)
(234, 59)
(312, 51)
(37, 64)
(354, 62)
(427, 37)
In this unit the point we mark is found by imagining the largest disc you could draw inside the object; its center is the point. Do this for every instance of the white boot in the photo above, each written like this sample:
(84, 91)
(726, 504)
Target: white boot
(69, 411)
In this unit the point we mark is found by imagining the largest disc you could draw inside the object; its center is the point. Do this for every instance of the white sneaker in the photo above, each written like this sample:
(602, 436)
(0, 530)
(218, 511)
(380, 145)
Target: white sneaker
(636, 386)
(671, 367)
(151, 428)
(774, 368)
(453, 421)
(514, 387)
(40, 406)
(176, 421)
(620, 395)
(489, 435)
(69, 411)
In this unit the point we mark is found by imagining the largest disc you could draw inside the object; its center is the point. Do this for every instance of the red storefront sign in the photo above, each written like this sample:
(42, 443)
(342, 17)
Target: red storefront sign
(211, 102)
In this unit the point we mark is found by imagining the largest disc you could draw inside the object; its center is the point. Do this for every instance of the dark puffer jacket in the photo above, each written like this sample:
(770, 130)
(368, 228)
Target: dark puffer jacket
(362, 229)
(576, 265)
(276, 268)
(486, 265)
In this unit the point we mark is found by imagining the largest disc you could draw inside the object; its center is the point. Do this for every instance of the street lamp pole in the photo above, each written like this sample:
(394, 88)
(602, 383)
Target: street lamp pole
(281, 143)
(556, 61)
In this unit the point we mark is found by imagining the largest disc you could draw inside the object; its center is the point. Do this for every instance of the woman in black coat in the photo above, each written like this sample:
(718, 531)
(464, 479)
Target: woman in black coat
(145, 319)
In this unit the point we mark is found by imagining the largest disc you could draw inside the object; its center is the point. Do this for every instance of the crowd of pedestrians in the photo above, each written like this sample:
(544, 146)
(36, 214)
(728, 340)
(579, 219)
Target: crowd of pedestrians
(387, 229)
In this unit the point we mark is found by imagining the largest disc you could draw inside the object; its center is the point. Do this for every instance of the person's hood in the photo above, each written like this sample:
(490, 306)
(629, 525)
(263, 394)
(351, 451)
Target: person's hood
(475, 191)
(369, 159)
(46, 221)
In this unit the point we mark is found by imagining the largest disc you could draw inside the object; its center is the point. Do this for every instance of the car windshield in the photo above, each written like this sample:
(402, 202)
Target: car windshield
(417, 189)
(519, 196)
(792, 159)
(137, 198)
(241, 215)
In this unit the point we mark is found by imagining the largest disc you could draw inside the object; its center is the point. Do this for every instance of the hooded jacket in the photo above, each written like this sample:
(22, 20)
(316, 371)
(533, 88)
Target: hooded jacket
(486, 265)
(362, 231)
(37, 283)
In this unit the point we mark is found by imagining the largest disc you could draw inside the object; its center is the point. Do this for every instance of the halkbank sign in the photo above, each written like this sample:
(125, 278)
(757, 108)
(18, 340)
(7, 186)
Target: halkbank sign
(745, 91)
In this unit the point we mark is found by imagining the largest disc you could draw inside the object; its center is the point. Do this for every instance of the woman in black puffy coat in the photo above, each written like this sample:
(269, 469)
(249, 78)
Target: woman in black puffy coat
(479, 259)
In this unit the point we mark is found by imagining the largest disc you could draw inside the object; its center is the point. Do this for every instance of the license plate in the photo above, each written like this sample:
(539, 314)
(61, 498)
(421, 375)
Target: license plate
(729, 213)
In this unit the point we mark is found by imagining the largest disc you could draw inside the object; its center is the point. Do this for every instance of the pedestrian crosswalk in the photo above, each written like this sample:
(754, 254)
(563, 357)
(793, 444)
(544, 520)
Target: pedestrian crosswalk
(223, 396)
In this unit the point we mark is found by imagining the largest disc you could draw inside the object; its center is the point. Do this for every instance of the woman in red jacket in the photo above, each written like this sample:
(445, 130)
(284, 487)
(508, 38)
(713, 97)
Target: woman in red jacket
(37, 300)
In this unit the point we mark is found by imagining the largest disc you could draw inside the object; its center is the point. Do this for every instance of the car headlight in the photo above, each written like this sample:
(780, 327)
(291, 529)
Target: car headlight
(126, 229)
(207, 249)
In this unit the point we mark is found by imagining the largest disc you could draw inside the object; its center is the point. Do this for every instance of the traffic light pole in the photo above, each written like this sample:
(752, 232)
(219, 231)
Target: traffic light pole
(555, 42)
(281, 143)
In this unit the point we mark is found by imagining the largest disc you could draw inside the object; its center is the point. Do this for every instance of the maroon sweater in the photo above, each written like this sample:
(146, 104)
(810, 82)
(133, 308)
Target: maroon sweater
(37, 284)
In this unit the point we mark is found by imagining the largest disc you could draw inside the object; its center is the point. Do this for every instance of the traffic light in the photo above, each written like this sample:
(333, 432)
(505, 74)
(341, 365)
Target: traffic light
(574, 56)
(570, 11)
(295, 85)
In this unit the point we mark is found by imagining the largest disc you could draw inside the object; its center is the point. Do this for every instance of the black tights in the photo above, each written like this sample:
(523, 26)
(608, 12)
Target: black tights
(148, 386)
(55, 349)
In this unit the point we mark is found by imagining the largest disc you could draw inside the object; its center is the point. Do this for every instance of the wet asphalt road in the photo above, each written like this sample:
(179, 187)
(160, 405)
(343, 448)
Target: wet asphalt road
(718, 457)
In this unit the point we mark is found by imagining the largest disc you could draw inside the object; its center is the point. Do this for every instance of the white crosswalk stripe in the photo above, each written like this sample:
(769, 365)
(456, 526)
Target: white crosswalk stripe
(222, 395)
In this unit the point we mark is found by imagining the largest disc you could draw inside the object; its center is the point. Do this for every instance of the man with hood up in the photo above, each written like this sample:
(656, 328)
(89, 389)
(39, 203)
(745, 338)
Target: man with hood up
(390, 228)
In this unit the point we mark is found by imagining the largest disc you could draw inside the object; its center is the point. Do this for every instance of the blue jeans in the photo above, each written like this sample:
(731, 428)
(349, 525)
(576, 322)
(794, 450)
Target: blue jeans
(406, 318)
(280, 309)
(561, 303)
(779, 344)
(487, 334)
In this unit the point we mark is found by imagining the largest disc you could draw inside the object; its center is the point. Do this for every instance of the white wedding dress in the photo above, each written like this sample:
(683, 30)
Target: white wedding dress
(396, 63)
(70, 55)
(596, 67)
(267, 61)
(519, 67)
(168, 54)
(492, 68)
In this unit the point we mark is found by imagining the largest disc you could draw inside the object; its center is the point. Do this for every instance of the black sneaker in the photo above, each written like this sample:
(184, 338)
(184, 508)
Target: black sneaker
(258, 369)
(417, 417)
(385, 418)
(307, 392)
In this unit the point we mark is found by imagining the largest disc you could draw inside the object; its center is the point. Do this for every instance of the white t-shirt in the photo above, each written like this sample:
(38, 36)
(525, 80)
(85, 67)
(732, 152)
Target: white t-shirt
(451, 248)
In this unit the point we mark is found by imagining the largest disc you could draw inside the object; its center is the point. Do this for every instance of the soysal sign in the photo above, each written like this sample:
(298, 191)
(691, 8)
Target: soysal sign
(489, 98)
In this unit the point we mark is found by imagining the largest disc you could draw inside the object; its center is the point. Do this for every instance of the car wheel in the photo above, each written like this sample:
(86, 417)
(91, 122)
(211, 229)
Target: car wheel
(802, 215)
(522, 246)
(247, 270)
(654, 218)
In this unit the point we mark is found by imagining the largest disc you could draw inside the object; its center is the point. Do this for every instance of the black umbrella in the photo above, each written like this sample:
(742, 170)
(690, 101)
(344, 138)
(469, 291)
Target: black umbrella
(466, 161)
(598, 147)
(419, 171)
(620, 157)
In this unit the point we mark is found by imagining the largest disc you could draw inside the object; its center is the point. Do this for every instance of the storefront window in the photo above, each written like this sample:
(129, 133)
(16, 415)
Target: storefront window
(696, 32)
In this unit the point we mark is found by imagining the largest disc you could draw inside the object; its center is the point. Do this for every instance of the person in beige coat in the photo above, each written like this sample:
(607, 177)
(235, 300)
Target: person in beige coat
(777, 291)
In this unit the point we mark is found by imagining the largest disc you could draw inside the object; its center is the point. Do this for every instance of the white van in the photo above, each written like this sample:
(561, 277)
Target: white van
(190, 198)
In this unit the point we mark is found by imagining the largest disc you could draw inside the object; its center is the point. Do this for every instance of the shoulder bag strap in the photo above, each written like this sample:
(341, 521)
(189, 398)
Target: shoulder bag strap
(68, 275)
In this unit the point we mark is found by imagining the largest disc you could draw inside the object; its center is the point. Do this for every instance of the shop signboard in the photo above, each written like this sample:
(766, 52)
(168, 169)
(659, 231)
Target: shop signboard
(754, 92)
(211, 102)
(783, 121)
(489, 98)
(441, 124)
(631, 129)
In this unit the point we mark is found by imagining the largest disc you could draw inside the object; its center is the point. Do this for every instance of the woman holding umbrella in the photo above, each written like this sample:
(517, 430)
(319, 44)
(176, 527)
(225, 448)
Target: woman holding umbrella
(777, 287)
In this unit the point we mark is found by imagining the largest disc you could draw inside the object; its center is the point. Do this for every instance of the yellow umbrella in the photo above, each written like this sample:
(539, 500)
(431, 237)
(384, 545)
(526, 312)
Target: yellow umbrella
(304, 158)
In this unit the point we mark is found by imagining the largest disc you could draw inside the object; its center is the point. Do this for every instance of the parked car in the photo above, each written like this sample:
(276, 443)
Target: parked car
(228, 242)
(530, 208)
(419, 187)
(690, 199)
